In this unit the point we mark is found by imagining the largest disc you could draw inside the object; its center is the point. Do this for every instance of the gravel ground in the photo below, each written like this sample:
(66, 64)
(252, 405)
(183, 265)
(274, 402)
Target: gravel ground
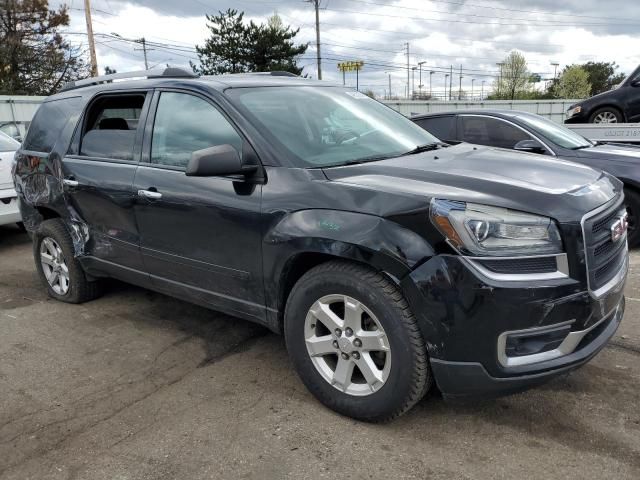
(137, 385)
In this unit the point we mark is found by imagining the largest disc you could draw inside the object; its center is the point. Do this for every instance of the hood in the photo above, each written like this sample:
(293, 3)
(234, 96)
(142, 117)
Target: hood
(522, 181)
(620, 152)
(6, 159)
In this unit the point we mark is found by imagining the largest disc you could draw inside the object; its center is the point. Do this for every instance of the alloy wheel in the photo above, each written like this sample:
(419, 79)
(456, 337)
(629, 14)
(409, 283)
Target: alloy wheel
(54, 266)
(347, 345)
(605, 117)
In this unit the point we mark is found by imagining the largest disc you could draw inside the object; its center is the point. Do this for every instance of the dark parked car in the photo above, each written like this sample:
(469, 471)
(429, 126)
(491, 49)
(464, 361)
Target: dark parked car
(528, 132)
(622, 104)
(388, 260)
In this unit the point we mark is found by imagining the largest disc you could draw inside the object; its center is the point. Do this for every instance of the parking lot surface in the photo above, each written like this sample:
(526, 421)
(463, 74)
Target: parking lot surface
(137, 385)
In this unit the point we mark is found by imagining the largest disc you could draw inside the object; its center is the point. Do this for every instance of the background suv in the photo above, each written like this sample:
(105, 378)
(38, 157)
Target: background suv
(387, 259)
(622, 104)
(9, 212)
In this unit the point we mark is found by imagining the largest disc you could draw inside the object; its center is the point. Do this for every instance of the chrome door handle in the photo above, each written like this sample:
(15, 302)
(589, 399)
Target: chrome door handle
(151, 195)
(70, 183)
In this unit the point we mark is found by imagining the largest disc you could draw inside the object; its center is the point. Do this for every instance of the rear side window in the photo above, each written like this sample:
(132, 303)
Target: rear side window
(491, 132)
(442, 127)
(185, 123)
(49, 121)
(110, 127)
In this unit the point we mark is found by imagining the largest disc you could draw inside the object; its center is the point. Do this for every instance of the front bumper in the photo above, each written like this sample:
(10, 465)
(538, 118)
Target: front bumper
(464, 317)
(458, 380)
(9, 209)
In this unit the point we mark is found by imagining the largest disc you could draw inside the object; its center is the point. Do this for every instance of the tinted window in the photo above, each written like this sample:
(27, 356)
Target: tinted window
(8, 144)
(110, 127)
(491, 131)
(558, 134)
(442, 127)
(49, 122)
(185, 123)
(328, 126)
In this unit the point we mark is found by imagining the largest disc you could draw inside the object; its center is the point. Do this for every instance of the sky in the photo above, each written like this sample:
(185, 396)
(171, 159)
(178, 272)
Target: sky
(472, 34)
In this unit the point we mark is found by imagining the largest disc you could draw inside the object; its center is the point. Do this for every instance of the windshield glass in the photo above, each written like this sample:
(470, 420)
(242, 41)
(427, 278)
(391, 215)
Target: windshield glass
(558, 134)
(328, 126)
(8, 144)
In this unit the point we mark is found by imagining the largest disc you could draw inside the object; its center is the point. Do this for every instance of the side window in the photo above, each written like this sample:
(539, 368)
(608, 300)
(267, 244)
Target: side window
(442, 127)
(491, 131)
(185, 123)
(110, 127)
(47, 125)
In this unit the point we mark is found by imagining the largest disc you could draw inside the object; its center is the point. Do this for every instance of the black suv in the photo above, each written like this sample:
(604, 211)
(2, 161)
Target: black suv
(621, 104)
(387, 259)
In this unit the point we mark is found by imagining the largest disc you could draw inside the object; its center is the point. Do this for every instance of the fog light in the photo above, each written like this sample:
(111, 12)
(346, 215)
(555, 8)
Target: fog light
(529, 343)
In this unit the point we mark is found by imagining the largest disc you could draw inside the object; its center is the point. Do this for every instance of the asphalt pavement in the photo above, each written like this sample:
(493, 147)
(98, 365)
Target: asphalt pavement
(137, 385)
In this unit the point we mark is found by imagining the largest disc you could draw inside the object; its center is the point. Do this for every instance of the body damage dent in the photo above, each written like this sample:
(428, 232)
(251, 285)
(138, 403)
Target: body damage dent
(39, 181)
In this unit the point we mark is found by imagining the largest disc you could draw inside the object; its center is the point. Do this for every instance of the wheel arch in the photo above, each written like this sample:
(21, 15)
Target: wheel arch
(306, 239)
(613, 106)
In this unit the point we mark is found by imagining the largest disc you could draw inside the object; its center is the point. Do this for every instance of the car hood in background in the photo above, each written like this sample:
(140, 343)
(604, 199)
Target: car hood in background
(492, 176)
(630, 153)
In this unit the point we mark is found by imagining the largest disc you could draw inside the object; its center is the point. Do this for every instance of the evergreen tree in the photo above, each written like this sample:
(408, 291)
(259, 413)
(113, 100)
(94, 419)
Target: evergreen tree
(34, 57)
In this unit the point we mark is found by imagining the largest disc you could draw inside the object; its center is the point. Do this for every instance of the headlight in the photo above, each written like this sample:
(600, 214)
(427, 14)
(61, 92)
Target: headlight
(574, 111)
(481, 230)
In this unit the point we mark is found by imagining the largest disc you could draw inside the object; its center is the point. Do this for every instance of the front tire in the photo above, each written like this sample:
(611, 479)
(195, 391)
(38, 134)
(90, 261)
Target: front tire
(355, 343)
(57, 266)
(606, 115)
(632, 202)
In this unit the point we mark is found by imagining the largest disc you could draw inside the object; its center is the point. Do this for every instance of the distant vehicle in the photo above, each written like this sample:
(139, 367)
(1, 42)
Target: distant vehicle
(620, 105)
(9, 211)
(532, 133)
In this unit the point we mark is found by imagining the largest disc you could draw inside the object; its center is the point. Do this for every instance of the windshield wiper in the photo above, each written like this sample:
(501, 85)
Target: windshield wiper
(427, 147)
(358, 161)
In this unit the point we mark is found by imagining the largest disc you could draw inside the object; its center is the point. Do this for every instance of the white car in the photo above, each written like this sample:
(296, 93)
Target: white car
(9, 211)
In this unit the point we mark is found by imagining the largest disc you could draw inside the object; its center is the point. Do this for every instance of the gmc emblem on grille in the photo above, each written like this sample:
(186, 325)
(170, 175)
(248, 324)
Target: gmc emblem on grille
(619, 228)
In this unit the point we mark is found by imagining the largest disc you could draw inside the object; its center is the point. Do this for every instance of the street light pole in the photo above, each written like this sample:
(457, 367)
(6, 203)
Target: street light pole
(413, 81)
(472, 82)
(482, 91)
(430, 90)
(420, 83)
(446, 78)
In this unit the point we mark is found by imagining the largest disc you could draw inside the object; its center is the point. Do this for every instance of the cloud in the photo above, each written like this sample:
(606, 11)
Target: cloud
(441, 33)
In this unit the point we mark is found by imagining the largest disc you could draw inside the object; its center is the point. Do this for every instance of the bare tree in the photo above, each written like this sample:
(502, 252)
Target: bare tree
(514, 79)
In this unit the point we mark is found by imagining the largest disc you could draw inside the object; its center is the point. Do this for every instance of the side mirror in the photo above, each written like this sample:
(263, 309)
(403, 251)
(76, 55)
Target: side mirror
(217, 161)
(532, 146)
(635, 82)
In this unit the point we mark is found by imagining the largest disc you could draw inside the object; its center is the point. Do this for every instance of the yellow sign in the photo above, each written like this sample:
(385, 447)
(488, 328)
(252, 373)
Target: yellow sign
(351, 66)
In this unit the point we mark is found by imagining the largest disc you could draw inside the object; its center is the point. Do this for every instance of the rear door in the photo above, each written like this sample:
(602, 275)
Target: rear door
(98, 179)
(200, 236)
(490, 131)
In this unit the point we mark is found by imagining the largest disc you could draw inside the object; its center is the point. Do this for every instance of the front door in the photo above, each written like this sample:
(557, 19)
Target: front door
(200, 236)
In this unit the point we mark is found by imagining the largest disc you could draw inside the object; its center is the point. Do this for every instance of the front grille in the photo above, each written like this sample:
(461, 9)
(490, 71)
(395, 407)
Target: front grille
(604, 256)
(521, 265)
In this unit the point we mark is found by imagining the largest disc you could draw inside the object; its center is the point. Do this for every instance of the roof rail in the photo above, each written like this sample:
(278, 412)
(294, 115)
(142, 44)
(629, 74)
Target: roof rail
(169, 72)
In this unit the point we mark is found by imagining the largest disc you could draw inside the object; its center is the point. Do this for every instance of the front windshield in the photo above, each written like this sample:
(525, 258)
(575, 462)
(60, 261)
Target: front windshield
(558, 134)
(328, 126)
(8, 144)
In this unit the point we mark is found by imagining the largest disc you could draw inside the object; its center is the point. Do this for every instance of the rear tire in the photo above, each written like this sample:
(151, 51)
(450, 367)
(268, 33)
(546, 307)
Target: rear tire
(57, 266)
(606, 115)
(384, 350)
(632, 202)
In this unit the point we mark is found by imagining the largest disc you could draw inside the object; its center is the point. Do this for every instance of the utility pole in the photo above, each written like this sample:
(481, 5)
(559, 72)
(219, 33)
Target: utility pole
(482, 90)
(460, 87)
(473, 80)
(446, 76)
(92, 45)
(389, 86)
(413, 81)
(430, 90)
(143, 42)
(407, 45)
(420, 83)
(450, 82)
(316, 4)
